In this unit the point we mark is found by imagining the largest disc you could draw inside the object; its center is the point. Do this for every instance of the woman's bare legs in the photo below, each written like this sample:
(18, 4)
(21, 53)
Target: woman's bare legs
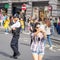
(40, 57)
(35, 56)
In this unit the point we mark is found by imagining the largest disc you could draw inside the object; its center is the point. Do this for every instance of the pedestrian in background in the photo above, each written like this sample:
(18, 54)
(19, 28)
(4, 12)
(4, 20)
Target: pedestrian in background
(52, 25)
(58, 26)
(29, 26)
(11, 20)
(1, 18)
(48, 32)
(6, 25)
(55, 23)
(22, 24)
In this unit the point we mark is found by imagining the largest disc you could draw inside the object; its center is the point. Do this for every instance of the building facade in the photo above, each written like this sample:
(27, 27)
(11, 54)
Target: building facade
(33, 6)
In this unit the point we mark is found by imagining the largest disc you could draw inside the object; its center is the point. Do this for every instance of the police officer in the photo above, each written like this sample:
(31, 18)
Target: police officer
(16, 32)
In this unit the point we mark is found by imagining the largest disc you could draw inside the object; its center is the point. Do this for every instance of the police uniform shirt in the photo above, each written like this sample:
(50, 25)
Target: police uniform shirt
(17, 26)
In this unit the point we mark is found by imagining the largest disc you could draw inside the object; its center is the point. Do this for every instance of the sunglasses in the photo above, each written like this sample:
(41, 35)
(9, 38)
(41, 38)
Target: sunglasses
(37, 27)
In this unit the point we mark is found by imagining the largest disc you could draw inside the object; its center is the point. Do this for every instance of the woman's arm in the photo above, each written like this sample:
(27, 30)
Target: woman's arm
(40, 30)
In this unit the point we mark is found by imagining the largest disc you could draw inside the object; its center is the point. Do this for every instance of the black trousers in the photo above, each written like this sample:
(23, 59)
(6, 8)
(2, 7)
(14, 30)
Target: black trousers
(14, 45)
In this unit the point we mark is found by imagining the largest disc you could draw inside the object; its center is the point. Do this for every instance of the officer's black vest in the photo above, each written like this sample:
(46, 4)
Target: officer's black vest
(16, 32)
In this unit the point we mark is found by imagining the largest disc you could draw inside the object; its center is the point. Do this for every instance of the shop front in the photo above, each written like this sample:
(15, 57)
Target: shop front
(38, 9)
(16, 7)
(4, 7)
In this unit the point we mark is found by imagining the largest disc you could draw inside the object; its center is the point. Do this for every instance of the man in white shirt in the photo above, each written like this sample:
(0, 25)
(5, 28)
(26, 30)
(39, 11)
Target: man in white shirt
(16, 32)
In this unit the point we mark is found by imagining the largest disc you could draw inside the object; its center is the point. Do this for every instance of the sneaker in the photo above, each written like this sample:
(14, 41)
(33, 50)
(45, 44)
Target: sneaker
(6, 33)
(18, 54)
(14, 57)
(51, 48)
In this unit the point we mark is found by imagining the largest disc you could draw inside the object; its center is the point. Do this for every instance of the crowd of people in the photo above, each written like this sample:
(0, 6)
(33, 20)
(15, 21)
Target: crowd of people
(40, 32)
(13, 24)
(6, 21)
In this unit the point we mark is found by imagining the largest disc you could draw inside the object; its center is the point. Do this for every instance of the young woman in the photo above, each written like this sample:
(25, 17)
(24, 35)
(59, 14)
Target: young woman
(37, 45)
(48, 32)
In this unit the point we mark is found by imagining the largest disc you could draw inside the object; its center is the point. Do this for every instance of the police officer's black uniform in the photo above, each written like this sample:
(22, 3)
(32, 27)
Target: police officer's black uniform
(14, 42)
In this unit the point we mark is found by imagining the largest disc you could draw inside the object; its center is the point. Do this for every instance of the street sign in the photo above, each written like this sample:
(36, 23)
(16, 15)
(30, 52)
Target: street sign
(6, 6)
(24, 7)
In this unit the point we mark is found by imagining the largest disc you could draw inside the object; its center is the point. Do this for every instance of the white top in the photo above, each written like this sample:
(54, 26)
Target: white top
(48, 32)
(43, 27)
(16, 25)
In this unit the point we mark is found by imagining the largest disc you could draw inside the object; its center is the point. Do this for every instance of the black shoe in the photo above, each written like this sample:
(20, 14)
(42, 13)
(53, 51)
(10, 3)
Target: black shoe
(15, 57)
(18, 54)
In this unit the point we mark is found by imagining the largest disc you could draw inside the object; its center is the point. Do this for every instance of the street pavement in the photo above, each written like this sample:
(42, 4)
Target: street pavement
(24, 48)
(56, 36)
